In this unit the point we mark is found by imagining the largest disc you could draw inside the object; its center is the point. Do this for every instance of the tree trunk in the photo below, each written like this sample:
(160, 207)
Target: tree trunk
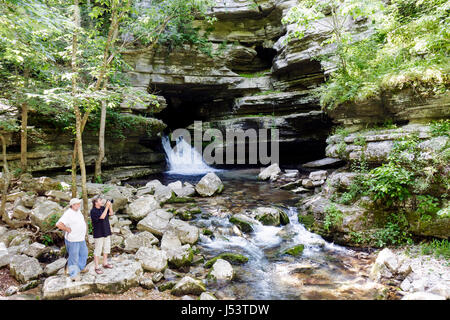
(78, 139)
(101, 144)
(7, 179)
(74, 172)
(24, 130)
(112, 36)
(24, 138)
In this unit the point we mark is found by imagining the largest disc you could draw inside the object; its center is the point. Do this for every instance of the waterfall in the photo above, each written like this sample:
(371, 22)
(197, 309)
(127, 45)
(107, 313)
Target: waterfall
(184, 159)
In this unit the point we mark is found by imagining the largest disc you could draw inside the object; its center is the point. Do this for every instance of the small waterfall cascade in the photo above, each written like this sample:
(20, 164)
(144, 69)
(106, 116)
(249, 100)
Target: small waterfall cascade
(183, 159)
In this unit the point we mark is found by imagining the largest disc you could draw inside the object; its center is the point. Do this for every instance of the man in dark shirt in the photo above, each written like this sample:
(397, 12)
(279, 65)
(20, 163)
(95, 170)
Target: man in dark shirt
(102, 231)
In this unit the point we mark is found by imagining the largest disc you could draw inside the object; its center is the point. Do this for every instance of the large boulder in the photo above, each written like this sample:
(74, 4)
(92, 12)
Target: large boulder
(141, 207)
(58, 195)
(188, 285)
(209, 185)
(44, 212)
(152, 259)
(40, 185)
(270, 172)
(156, 222)
(178, 255)
(207, 296)
(271, 216)
(55, 266)
(186, 190)
(138, 240)
(163, 194)
(123, 276)
(35, 250)
(21, 213)
(120, 198)
(25, 268)
(385, 265)
(221, 270)
(244, 223)
(185, 232)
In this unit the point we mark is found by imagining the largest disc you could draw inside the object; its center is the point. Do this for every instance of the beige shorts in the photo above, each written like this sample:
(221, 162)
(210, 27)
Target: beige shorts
(102, 244)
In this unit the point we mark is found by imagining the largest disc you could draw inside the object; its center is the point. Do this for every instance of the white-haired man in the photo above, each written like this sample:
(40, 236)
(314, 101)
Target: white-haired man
(72, 222)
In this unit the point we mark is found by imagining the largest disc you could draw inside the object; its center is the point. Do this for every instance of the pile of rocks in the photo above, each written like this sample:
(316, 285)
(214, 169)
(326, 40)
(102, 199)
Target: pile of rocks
(148, 238)
(418, 277)
(292, 180)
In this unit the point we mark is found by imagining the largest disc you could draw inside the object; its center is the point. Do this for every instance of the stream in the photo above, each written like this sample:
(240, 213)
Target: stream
(323, 271)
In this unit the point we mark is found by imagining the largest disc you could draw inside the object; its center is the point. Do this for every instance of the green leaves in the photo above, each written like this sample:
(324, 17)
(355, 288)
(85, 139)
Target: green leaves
(389, 183)
(407, 48)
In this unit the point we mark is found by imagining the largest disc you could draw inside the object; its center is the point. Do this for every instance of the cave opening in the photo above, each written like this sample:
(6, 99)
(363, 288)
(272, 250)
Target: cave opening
(265, 56)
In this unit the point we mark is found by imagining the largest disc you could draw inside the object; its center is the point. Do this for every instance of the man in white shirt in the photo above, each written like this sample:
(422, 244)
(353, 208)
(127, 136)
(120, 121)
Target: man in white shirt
(72, 222)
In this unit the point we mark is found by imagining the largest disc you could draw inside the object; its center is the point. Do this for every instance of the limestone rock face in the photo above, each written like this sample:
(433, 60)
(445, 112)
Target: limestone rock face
(124, 275)
(141, 207)
(156, 222)
(209, 185)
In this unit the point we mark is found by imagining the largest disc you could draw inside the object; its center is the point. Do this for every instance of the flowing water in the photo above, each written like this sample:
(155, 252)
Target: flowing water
(323, 271)
(183, 159)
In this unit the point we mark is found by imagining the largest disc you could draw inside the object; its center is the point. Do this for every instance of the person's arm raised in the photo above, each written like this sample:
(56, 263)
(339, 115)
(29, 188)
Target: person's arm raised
(107, 206)
(111, 212)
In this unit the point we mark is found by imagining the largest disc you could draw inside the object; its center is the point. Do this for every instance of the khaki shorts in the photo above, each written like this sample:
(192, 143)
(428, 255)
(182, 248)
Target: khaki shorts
(102, 244)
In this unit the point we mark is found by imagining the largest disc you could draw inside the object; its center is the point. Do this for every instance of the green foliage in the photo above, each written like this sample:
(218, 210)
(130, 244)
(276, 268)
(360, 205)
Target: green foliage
(438, 248)
(47, 239)
(440, 128)
(52, 220)
(333, 217)
(395, 232)
(427, 205)
(408, 49)
(389, 183)
(90, 228)
(341, 131)
(255, 74)
(98, 179)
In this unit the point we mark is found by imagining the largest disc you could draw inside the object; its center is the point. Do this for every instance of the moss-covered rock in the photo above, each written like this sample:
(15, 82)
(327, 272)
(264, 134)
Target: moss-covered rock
(284, 218)
(233, 258)
(242, 222)
(295, 250)
(168, 285)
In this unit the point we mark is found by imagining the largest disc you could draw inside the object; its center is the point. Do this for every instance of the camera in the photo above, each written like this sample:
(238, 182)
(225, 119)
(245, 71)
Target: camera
(111, 200)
